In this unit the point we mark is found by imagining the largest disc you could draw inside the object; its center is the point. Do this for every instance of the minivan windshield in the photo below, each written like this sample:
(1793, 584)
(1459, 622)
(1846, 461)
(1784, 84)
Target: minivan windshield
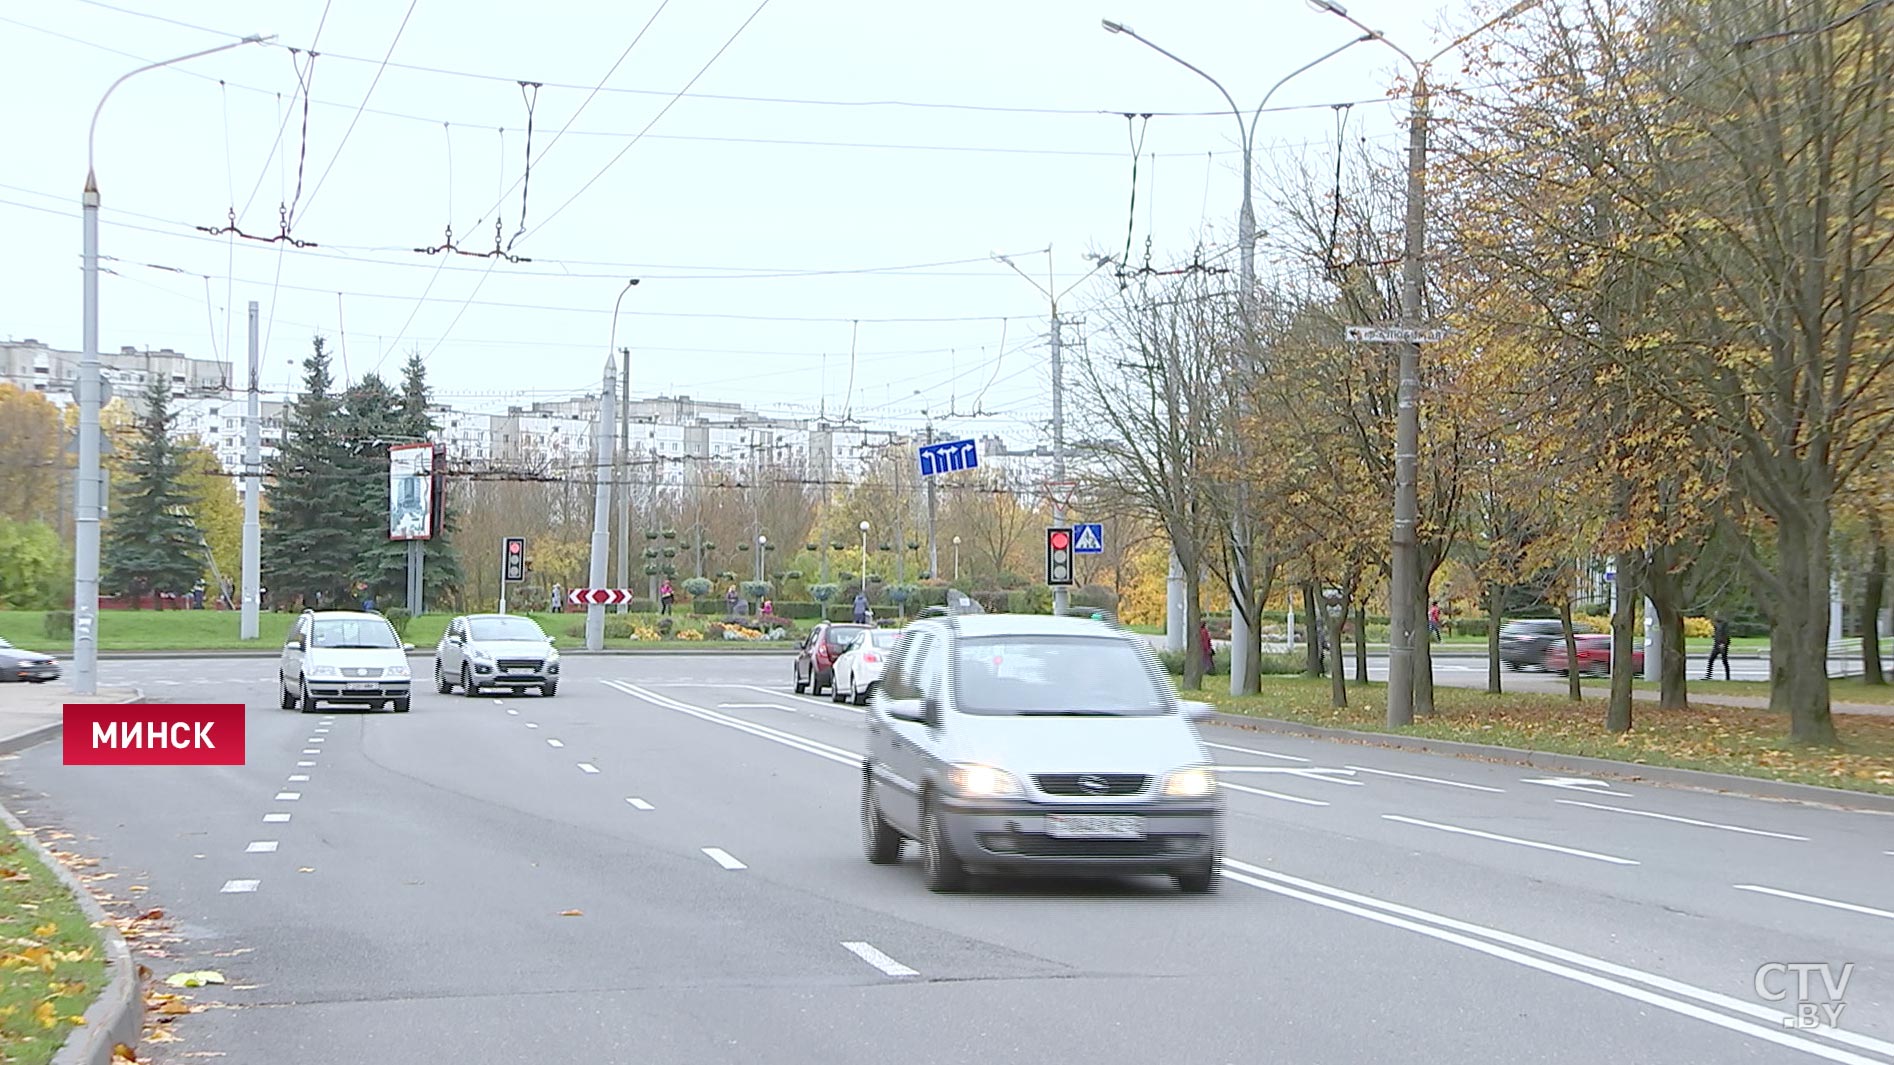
(1079, 676)
(353, 633)
(506, 629)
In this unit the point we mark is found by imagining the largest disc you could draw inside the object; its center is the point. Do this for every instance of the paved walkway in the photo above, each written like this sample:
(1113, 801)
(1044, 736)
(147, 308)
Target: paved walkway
(28, 712)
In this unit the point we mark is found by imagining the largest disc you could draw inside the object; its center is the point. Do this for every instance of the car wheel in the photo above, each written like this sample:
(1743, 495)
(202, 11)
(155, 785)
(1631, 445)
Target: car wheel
(801, 685)
(1202, 880)
(815, 682)
(441, 683)
(1514, 666)
(547, 691)
(881, 844)
(466, 682)
(861, 695)
(285, 698)
(401, 704)
(835, 691)
(308, 701)
(939, 865)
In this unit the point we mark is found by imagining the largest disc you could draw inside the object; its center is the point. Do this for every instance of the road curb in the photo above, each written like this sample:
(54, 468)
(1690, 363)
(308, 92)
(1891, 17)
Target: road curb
(18, 742)
(117, 1015)
(1667, 776)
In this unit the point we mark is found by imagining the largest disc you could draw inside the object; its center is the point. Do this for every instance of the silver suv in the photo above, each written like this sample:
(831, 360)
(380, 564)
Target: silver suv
(1016, 743)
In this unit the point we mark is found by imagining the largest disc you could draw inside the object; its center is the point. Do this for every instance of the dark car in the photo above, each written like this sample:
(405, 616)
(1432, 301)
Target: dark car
(18, 664)
(1523, 643)
(815, 659)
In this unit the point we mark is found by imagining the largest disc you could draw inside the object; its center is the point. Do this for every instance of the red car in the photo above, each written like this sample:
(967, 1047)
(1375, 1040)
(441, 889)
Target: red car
(1594, 655)
(815, 659)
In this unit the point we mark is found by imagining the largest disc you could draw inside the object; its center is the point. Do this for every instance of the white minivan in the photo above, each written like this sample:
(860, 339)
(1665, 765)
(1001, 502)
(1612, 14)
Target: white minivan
(346, 657)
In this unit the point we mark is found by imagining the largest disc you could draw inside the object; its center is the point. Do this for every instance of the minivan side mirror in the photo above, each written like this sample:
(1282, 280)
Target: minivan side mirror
(1199, 711)
(407, 647)
(930, 710)
(906, 712)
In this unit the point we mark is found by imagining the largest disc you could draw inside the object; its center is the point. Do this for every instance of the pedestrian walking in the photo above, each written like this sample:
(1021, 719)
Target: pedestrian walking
(665, 597)
(558, 598)
(768, 610)
(861, 608)
(1719, 647)
(1206, 645)
(730, 601)
(1433, 621)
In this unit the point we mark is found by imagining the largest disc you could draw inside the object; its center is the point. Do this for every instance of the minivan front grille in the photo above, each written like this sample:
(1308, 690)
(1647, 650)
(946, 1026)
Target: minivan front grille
(1092, 783)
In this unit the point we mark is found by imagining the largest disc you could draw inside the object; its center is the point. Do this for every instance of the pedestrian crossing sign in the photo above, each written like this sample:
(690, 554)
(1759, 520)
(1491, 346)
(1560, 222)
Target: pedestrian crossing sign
(1088, 539)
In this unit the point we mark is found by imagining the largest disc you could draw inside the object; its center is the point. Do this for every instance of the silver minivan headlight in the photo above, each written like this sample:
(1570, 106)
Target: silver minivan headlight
(982, 781)
(1192, 783)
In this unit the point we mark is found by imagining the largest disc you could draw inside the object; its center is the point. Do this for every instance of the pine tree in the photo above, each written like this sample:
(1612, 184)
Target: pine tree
(368, 425)
(308, 549)
(152, 545)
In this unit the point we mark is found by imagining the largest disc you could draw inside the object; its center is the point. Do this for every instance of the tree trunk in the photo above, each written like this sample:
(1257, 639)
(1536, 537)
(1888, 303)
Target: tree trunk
(1337, 677)
(1495, 603)
(1871, 599)
(1430, 558)
(1194, 665)
(1618, 709)
(1798, 629)
(1571, 648)
(1253, 667)
(1317, 625)
(1361, 643)
(1666, 591)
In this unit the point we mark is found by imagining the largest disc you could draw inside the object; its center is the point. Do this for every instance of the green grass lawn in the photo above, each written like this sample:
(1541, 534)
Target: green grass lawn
(1715, 738)
(1840, 689)
(51, 960)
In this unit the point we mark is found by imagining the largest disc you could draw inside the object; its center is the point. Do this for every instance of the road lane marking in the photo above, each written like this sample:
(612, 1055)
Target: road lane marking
(640, 804)
(1533, 843)
(1680, 820)
(512, 711)
(315, 739)
(231, 887)
(876, 958)
(261, 846)
(298, 778)
(799, 697)
(1310, 773)
(1429, 780)
(1590, 787)
(788, 739)
(722, 857)
(499, 702)
(1569, 964)
(588, 767)
(304, 765)
(1817, 900)
(555, 743)
(311, 750)
(1252, 750)
(1270, 794)
(275, 819)
(754, 706)
(288, 796)
(322, 731)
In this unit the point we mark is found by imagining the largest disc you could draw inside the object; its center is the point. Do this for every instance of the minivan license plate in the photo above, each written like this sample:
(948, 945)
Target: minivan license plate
(1093, 826)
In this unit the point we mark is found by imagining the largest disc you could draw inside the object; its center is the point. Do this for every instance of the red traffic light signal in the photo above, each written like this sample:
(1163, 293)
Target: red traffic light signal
(514, 547)
(515, 559)
(1060, 539)
(1059, 556)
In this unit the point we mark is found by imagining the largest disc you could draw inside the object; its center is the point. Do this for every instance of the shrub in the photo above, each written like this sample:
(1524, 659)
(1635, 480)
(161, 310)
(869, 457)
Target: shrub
(1467, 626)
(666, 626)
(707, 605)
(822, 593)
(399, 619)
(57, 623)
(644, 632)
(696, 587)
(1174, 662)
(691, 634)
(1699, 628)
(714, 630)
(616, 628)
(755, 590)
(644, 606)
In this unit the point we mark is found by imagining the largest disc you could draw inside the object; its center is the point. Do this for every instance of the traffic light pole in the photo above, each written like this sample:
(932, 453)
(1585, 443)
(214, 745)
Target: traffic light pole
(502, 576)
(1061, 595)
(601, 508)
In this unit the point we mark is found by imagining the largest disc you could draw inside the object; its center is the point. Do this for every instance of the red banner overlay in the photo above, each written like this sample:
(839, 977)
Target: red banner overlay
(148, 734)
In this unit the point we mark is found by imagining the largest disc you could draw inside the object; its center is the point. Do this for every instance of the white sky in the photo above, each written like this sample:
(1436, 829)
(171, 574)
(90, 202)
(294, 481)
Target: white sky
(712, 193)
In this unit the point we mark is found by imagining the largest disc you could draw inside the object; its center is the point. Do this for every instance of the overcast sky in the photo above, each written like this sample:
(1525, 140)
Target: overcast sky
(763, 228)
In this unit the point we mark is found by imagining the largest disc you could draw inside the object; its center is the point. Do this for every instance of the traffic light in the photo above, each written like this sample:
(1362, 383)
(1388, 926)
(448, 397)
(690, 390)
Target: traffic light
(515, 557)
(1059, 556)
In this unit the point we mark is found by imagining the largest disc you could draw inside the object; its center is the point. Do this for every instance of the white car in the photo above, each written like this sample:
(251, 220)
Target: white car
(495, 651)
(859, 669)
(342, 656)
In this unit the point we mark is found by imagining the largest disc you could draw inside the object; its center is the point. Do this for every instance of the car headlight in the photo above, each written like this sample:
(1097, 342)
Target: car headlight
(1193, 783)
(398, 672)
(475, 652)
(982, 781)
(552, 654)
(324, 671)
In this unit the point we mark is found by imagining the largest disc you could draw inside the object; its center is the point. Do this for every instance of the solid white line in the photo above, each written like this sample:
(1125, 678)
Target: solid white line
(231, 887)
(753, 706)
(305, 765)
(1817, 900)
(1535, 844)
(1679, 820)
(1448, 930)
(805, 698)
(289, 796)
(275, 819)
(640, 804)
(876, 958)
(555, 743)
(1252, 750)
(1310, 773)
(1270, 794)
(588, 767)
(298, 778)
(261, 846)
(815, 747)
(1429, 780)
(722, 857)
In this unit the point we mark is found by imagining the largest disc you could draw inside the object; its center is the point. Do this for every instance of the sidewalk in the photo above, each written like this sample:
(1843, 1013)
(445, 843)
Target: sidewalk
(31, 713)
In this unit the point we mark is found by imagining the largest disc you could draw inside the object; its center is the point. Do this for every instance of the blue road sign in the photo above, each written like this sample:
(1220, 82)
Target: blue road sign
(1088, 538)
(948, 457)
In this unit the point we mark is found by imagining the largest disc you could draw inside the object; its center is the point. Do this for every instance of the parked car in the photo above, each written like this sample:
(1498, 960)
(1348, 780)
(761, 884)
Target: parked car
(1522, 643)
(495, 651)
(1015, 743)
(815, 657)
(860, 667)
(19, 664)
(1594, 655)
(346, 657)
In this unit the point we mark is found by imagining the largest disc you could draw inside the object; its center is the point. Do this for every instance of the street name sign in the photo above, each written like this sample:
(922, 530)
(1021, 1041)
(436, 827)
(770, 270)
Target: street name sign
(1392, 334)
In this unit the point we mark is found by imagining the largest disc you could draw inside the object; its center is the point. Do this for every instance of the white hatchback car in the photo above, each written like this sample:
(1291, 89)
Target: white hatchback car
(859, 669)
(342, 656)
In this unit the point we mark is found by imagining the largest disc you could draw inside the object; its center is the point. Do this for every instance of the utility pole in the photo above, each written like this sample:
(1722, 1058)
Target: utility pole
(252, 493)
(621, 478)
(1061, 596)
(933, 553)
(1405, 576)
(601, 512)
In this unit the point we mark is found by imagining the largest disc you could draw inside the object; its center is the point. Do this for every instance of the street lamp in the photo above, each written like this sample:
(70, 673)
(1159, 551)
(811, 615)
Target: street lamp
(956, 560)
(86, 493)
(762, 542)
(1405, 572)
(621, 470)
(864, 529)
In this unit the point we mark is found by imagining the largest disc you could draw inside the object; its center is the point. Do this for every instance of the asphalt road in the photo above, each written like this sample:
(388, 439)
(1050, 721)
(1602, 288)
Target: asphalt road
(389, 888)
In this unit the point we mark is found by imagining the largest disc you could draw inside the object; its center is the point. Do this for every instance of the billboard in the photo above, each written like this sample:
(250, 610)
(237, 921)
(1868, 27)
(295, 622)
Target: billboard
(411, 492)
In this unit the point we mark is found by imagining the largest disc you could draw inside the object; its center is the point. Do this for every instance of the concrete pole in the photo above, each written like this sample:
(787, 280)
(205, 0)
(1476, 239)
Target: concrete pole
(601, 511)
(252, 492)
(1176, 607)
(1653, 643)
(1406, 553)
(1061, 595)
(621, 480)
(85, 572)
(933, 514)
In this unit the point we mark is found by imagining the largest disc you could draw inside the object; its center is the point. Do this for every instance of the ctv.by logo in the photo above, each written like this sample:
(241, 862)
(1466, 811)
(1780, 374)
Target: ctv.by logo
(1772, 985)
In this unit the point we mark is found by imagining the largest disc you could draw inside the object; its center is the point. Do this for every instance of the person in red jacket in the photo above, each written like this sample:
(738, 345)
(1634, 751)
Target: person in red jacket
(1203, 642)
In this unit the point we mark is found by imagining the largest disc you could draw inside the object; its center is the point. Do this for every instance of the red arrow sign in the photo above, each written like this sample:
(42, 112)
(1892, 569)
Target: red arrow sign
(599, 596)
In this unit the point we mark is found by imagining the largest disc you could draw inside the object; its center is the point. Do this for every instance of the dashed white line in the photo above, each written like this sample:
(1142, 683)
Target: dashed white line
(640, 804)
(722, 857)
(1680, 820)
(1429, 780)
(288, 796)
(315, 739)
(529, 724)
(1816, 900)
(555, 743)
(876, 958)
(512, 711)
(587, 767)
(275, 819)
(1252, 750)
(1496, 837)
(298, 778)
(1270, 794)
(304, 765)
(231, 887)
(312, 750)
(499, 702)
(261, 846)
